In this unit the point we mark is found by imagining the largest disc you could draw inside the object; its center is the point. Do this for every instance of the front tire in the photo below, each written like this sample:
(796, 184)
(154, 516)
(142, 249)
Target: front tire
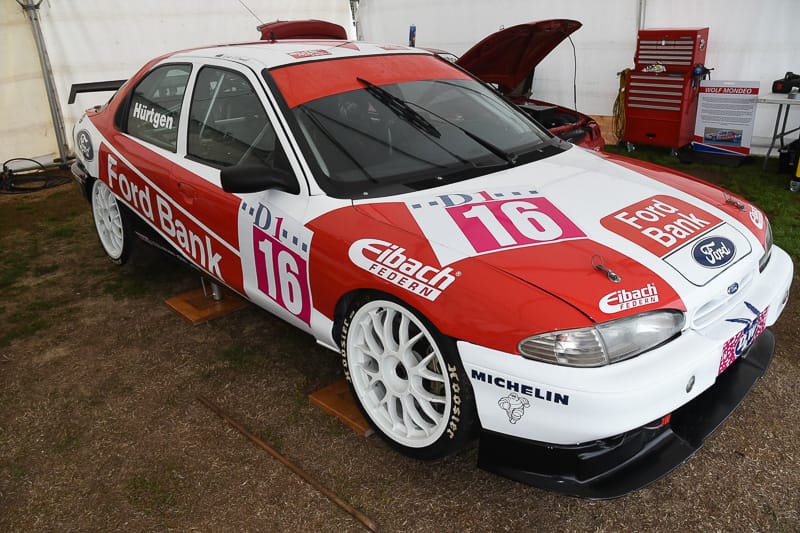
(407, 379)
(112, 222)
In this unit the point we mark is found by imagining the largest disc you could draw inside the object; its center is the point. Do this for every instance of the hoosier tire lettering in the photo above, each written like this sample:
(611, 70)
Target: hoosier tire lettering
(452, 427)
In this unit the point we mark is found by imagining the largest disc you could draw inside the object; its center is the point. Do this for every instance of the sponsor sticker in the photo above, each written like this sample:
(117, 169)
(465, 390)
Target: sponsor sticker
(756, 217)
(193, 239)
(303, 54)
(514, 405)
(623, 299)
(153, 117)
(714, 252)
(487, 221)
(700, 261)
(391, 262)
(521, 389)
(741, 342)
(660, 224)
(275, 253)
(84, 142)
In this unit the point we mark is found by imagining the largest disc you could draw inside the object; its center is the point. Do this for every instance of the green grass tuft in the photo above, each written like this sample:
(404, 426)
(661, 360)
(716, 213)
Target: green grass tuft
(239, 355)
(63, 230)
(16, 259)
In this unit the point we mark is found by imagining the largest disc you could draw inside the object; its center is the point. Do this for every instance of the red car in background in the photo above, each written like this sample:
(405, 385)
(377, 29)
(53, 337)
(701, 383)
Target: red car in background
(508, 59)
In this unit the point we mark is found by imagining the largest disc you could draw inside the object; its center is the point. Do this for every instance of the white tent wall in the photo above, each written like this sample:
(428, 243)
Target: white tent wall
(98, 40)
(748, 40)
(456, 26)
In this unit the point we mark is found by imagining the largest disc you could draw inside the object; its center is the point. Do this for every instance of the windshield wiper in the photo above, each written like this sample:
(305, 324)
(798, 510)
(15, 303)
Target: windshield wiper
(400, 108)
(404, 110)
(311, 114)
(508, 157)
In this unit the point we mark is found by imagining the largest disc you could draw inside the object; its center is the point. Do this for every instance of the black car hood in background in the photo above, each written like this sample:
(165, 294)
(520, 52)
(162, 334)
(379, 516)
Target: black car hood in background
(508, 57)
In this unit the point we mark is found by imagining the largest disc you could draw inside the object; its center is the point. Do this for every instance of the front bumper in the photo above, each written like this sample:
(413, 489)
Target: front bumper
(583, 430)
(615, 466)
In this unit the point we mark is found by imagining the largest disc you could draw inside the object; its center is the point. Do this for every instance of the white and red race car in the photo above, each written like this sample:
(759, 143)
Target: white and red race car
(593, 318)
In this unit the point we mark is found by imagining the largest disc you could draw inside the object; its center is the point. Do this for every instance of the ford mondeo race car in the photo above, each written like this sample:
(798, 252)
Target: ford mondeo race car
(592, 318)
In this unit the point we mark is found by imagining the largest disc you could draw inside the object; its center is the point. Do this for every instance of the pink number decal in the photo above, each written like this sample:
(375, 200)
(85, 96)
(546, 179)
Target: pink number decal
(282, 275)
(502, 224)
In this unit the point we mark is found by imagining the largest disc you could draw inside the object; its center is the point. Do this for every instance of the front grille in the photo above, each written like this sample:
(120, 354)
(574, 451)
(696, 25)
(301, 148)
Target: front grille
(717, 307)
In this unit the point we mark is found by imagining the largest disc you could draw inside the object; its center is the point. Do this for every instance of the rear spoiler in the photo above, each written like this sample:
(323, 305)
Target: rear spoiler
(93, 87)
(301, 29)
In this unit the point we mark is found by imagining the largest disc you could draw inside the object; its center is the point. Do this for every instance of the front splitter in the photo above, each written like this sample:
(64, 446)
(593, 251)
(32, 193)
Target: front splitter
(613, 467)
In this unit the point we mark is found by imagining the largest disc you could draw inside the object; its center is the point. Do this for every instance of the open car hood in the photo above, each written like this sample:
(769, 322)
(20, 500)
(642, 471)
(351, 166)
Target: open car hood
(508, 57)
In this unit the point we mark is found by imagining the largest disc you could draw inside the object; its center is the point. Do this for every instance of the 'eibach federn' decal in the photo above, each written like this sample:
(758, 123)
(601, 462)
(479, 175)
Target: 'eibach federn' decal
(488, 221)
(392, 263)
(625, 299)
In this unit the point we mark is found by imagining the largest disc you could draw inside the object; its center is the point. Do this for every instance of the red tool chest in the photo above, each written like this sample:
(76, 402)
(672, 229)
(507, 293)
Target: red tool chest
(660, 107)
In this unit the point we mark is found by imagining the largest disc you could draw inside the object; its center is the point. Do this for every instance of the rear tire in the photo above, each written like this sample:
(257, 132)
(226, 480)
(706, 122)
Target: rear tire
(112, 222)
(407, 379)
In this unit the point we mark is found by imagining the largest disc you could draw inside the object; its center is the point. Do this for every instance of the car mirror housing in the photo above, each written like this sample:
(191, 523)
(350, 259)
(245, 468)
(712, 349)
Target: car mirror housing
(255, 178)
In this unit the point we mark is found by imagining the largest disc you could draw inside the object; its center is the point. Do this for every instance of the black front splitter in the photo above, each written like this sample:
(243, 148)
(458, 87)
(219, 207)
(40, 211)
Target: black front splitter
(618, 465)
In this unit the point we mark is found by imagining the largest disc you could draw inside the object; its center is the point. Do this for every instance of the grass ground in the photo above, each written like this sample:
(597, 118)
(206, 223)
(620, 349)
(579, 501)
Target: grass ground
(101, 428)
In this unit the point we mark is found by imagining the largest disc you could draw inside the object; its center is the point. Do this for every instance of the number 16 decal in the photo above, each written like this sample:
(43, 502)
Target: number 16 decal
(282, 275)
(499, 224)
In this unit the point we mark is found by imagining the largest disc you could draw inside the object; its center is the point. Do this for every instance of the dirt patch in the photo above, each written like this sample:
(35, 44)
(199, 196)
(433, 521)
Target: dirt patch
(101, 429)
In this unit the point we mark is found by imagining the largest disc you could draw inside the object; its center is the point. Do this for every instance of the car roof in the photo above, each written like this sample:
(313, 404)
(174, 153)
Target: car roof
(272, 54)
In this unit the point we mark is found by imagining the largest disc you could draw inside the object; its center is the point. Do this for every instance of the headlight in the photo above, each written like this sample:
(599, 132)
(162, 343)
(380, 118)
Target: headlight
(767, 249)
(606, 343)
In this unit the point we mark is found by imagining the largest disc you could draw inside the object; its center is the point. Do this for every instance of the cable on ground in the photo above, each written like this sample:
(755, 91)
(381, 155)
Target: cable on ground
(37, 178)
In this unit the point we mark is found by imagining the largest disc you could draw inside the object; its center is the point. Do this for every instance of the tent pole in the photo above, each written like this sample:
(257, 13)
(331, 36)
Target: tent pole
(31, 8)
(641, 13)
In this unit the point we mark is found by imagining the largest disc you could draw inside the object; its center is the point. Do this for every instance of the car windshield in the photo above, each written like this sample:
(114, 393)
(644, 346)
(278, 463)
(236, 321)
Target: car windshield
(415, 134)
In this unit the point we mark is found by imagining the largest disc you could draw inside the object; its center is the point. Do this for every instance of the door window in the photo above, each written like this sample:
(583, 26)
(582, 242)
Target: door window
(228, 124)
(155, 106)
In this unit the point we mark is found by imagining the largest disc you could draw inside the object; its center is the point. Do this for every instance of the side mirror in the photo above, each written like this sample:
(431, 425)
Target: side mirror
(254, 178)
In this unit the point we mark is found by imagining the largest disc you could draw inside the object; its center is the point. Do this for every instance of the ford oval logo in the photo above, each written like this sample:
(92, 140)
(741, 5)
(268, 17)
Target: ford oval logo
(714, 252)
(84, 143)
(733, 288)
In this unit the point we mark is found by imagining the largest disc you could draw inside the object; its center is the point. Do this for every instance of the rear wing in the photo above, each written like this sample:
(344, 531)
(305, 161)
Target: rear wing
(93, 87)
(301, 29)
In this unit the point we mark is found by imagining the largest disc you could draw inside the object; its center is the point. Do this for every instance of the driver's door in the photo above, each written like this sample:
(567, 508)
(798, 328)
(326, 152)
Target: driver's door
(229, 125)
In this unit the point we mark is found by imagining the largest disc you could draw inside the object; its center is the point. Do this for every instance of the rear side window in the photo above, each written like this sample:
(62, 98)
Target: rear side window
(155, 106)
(228, 124)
